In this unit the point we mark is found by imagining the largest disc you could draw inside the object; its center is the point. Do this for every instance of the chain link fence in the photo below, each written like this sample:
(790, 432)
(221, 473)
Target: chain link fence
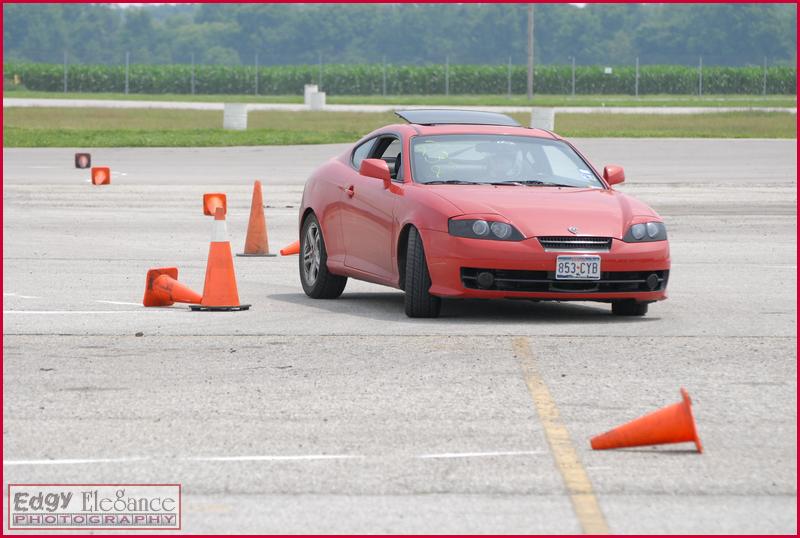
(208, 72)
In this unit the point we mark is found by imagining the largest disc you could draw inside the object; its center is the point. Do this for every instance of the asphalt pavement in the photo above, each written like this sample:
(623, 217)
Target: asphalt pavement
(346, 416)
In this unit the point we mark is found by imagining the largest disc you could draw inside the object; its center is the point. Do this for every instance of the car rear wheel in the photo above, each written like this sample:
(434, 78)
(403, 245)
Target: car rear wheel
(628, 308)
(317, 281)
(419, 303)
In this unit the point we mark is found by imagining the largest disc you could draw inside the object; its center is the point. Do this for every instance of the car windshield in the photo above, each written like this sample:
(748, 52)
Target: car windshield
(498, 159)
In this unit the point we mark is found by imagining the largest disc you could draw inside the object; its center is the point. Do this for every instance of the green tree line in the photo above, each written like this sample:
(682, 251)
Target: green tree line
(412, 34)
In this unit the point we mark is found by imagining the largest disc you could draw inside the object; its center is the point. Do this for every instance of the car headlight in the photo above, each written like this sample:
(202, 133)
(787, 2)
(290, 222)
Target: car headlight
(483, 229)
(646, 231)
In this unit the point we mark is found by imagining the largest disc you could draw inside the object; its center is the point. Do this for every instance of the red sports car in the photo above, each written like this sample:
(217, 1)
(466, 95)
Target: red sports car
(465, 204)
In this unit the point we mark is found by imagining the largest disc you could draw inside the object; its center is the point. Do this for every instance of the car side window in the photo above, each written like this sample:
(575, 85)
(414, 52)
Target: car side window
(390, 149)
(361, 152)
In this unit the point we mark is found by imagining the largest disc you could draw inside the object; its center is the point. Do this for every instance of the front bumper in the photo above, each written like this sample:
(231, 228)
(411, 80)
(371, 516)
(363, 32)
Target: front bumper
(523, 269)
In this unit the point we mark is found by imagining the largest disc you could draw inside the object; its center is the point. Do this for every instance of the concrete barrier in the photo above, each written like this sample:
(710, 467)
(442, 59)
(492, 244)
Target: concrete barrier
(308, 89)
(235, 117)
(543, 118)
(316, 101)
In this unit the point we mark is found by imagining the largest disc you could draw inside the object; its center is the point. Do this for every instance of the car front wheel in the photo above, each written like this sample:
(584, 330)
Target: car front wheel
(317, 281)
(419, 303)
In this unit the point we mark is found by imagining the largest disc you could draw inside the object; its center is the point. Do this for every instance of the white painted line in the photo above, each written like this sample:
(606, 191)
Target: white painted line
(480, 454)
(118, 302)
(773, 266)
(277, 458)
(58, 312)
(70, 461)
(20, 296)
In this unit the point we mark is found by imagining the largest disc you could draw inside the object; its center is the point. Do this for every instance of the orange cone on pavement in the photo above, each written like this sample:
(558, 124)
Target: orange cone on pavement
(288, 250)
(213, 200)
(257, 241)
(219, 291)
(163, 289)
(672, 424)
(101, 175)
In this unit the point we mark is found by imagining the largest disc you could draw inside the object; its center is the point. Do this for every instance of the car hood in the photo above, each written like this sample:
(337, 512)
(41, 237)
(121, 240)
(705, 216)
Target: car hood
(537, 211)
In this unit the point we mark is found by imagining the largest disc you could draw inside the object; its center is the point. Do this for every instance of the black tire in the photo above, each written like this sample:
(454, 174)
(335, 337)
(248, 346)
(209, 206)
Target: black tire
(419, 303)
(317, 281)
(628, 308)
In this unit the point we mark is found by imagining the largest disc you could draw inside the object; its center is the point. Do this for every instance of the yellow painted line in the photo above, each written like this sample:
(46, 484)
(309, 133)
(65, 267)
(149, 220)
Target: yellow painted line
(572, 471)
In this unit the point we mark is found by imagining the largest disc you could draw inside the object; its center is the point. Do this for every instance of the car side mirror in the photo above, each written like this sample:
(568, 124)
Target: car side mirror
(376, 168)
(613, 174)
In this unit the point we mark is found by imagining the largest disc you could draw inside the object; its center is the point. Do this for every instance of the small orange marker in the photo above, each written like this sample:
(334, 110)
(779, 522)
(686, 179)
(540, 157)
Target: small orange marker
(672, 424)
(213, 200)
(293, 248)
(101, 175)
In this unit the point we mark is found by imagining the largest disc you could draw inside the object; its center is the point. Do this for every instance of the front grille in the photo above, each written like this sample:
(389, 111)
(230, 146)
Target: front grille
(575, 243)
(545, 281)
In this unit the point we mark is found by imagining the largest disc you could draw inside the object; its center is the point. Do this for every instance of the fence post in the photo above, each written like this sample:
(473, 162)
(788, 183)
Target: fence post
(256, 77)
(764, 87)
(127, 68)
(447, 75)
(637, 77)
(700, 78)
(193, 73)
(383, 86)
(319, 62)
(509, 77)
(530, 52)
(573, 76)
(65, 71)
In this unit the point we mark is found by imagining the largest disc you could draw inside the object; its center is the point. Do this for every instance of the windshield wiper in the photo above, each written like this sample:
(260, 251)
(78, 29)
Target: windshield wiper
(536, 182)
(448, 182)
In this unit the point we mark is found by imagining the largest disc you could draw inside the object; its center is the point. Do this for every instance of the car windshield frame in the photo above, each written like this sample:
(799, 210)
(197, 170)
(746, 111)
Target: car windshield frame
(595, 181)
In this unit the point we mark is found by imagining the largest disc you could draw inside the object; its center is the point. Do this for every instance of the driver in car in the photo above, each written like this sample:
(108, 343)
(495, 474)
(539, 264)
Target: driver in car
(504, 163)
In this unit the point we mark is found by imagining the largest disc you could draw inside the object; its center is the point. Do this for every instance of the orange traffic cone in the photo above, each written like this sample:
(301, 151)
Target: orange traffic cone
(211, 201)
(257, 241)
(219, 291)
(673, 424)
(101, 175)
(163, 289)
(83, 160)
(288, 250)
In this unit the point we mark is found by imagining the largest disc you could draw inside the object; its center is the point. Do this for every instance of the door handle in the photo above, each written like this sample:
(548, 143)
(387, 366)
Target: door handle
(349, 191)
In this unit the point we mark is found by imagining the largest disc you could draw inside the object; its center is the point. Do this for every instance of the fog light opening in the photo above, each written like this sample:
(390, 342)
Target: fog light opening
(652, 281)
(485, 280)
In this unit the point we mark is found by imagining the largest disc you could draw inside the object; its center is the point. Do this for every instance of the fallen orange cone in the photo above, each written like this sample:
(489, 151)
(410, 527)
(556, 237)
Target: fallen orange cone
(101, 175)
(673, 424)
(257, 241)
(220, 291)
(163, 289)
(288, 250)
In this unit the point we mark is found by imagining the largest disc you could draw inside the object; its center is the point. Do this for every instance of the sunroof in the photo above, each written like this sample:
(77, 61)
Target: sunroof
(449, 117)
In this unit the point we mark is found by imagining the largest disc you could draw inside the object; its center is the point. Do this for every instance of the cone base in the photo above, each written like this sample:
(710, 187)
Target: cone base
(245, 255)
(204, 308)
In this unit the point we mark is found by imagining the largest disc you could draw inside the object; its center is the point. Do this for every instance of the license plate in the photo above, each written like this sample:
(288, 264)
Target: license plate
(578, 268)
